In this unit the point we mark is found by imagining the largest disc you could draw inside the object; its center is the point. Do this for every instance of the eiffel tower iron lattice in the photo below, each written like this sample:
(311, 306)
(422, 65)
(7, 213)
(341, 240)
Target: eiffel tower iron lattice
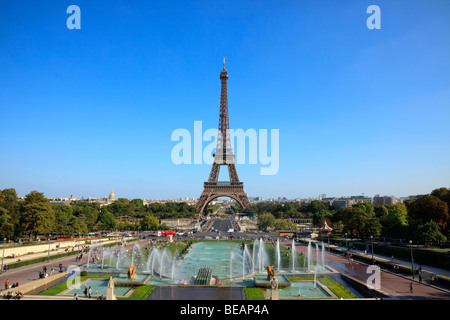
(223, 156)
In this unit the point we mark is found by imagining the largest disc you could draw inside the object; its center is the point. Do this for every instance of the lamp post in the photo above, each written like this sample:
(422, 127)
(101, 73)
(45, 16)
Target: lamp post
(3, 256)
(371, 237)
(412, 259)
(346, 247)
(48, 256)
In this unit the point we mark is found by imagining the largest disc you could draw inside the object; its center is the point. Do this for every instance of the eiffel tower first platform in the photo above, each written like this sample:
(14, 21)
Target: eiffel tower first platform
(223, 156)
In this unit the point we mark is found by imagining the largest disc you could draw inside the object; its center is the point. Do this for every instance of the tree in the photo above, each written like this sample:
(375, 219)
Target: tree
(265, 221)
(149, 222)
(358, 222)
(106, 220)
(6, 227)
(429, 232)
(428, 208)
(396, 222)
(280, 224)
(120, 207)
(338, 227)
(381, 212)
(443, 194)
(63, 215)
(86, 212)
(137, 205)
(366, 207)
(37, 214)
(37, 218)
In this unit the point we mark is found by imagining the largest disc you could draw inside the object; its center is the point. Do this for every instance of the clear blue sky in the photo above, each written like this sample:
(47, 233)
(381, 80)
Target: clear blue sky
(358, 110)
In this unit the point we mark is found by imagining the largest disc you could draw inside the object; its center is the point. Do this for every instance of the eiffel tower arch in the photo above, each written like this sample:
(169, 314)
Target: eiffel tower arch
(223, 156)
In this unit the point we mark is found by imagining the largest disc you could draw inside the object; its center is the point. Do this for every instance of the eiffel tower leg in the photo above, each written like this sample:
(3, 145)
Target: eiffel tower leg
(202, 202)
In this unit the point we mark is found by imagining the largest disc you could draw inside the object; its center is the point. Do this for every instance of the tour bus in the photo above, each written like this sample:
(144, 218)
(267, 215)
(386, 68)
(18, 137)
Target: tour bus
(288, 234)
(166, 233)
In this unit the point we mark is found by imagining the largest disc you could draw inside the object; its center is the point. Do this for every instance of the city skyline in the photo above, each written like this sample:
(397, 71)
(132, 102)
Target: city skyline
(358, 111)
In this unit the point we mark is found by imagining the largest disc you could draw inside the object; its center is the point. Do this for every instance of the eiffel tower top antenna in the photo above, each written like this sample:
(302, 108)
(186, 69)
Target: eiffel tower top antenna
(223, 63)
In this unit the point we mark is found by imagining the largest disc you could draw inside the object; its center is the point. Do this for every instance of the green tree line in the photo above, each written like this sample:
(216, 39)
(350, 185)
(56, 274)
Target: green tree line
(424, 219)
(35, 215)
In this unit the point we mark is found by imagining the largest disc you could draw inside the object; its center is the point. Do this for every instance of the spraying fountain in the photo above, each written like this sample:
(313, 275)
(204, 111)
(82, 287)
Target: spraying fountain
(293, 255)
(278, 255)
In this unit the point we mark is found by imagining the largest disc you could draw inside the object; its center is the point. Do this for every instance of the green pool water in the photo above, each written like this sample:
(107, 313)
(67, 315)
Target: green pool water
(217, 255)
(302, 289)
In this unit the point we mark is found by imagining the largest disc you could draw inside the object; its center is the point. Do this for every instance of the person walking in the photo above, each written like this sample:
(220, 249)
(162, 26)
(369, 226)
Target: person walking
(420, 276)
(411, 287)
(89, 292)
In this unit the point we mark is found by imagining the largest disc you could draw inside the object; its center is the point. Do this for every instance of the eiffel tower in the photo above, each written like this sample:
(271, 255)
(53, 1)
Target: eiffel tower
(223, 156)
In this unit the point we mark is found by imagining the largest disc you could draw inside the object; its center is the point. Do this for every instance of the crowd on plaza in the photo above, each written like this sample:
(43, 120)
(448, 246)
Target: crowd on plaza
(10, 295)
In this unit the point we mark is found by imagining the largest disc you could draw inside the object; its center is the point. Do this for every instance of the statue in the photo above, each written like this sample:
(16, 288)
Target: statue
(274, 295)
(131, 272)
(110, 290)
(270, 272)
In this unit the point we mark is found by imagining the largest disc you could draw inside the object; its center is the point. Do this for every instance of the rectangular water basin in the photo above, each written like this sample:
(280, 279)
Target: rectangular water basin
(139, 280)
(98, 288)
(302, 289)
(262, 281)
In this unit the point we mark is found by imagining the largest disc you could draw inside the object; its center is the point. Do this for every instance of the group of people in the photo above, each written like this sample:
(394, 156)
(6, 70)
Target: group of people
(87, 292)
(76, 297)
(9, 285)
(79, 257)
(349, 258)
(44, 273)
(10, 295)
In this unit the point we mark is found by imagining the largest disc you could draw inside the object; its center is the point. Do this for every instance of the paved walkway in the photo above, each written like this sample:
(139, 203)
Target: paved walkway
(44, 254)
(29, 273)
(393, 284)
(427, 268)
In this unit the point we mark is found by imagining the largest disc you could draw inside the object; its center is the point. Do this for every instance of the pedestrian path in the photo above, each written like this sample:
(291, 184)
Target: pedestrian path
(430, 269)
(37, 255)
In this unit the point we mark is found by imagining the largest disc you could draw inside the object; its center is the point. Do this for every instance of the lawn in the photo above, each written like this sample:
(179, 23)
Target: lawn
(140, 293)
(254, 294)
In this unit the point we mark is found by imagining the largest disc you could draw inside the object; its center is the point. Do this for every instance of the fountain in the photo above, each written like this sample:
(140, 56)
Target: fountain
(231, 264)
(260, 256)
(317, 257)
(247, 260)
(278, 255)
(293, 255)
(309, 256)
(315, 282)
(323, 258)
(137, 248)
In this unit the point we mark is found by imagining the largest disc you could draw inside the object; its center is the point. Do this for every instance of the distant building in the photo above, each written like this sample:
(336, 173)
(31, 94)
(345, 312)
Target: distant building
(361, 199)
(343, 203)
(112, 197)
(379, 200)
